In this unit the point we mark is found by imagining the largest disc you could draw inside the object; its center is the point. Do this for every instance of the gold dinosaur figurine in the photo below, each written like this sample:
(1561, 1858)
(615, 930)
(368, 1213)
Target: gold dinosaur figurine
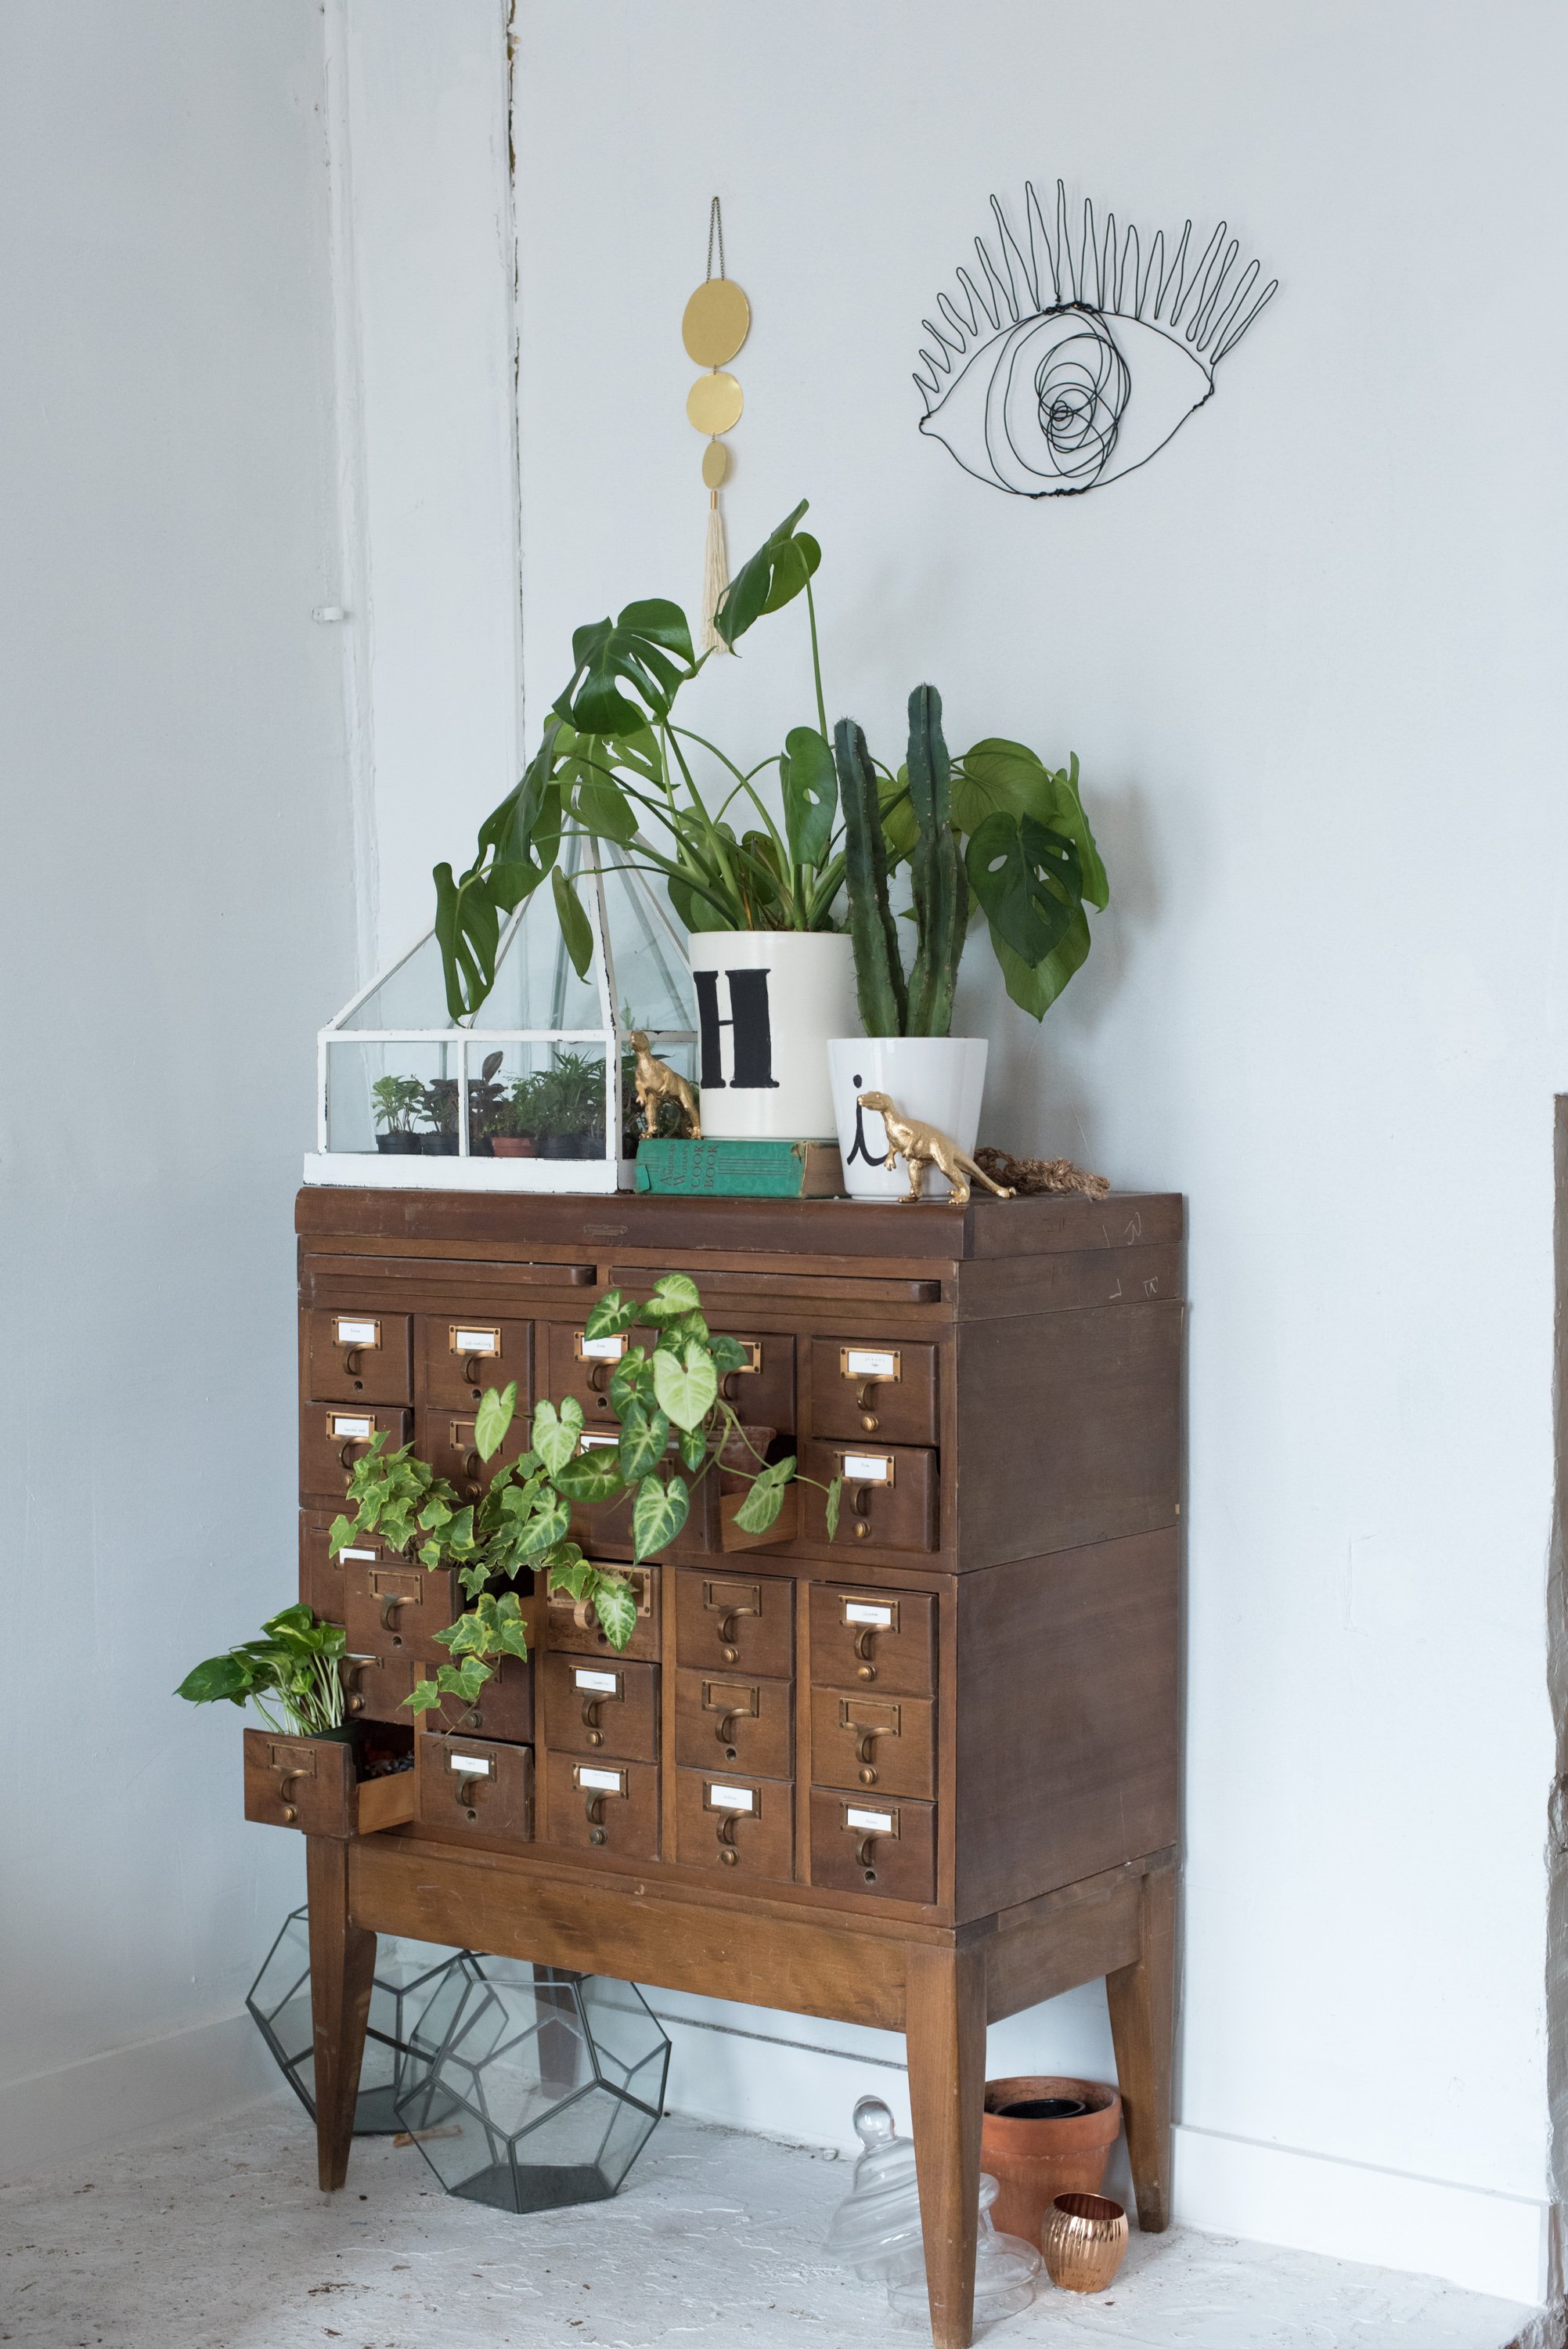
(919, 1147)
(657, 1081)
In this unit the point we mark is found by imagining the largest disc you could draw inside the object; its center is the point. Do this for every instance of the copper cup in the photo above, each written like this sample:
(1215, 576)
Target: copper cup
(1084, 2240)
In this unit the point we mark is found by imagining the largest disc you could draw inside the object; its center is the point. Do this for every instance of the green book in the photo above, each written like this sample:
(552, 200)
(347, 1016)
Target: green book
(741, 1170)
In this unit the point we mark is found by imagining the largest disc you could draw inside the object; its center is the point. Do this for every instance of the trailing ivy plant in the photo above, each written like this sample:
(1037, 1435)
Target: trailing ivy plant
(294, 1665)
(671, 1425)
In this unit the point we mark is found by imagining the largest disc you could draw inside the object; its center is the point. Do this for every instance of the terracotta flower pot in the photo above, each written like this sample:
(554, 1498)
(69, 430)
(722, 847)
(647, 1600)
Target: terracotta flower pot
(514, 1145)
(1085, 2241)
(1035, 2159)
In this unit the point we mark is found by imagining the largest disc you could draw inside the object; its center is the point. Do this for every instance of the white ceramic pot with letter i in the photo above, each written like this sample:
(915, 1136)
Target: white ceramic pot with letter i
(939, 1079)
(766, 1003)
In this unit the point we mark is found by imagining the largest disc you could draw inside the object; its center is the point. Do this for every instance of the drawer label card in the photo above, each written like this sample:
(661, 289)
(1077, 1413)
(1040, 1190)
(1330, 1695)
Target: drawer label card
(856, 1610)
(476, 1341)
(732, 1798)
(358, 1333)
(360, 1557)
(473, 1765)
(600, 1350)
(359, 1430)
(597, 1442)
(861, 1362)
(867, 1467)
(869, 1822)
(607, 1781)
(607, 1683)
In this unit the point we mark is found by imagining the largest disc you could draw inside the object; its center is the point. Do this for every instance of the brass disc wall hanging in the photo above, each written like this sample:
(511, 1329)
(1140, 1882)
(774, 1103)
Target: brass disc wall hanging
(716, 322)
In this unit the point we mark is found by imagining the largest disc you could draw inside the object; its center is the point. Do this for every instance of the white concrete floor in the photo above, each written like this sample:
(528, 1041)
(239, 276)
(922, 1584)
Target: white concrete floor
(216, 2237)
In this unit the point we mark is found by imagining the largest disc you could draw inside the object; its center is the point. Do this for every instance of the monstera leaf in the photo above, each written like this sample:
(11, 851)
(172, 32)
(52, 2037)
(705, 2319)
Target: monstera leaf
(773, 576)
(1028, 880)
(811, 785)
(647, 650)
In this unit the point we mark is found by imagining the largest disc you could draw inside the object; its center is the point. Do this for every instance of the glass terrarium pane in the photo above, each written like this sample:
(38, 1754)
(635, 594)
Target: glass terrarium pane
(535, 983)
(652, 983)
(624, 2031)
(412, 994)
(395, 1099)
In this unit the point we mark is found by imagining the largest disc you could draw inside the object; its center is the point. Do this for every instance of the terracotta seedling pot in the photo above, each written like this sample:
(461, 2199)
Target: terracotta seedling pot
(1034, 2159)
(1084, 2240)
(514, 1145)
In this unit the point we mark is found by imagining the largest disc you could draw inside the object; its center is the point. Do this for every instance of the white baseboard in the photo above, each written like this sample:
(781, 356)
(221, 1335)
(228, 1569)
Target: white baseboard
(60, 2117)
(1488, 2242)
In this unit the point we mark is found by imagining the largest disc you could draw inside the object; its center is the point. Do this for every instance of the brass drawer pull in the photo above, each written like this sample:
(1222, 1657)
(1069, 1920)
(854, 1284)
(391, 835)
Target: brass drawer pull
(286, 1780)
(348, 1671)
(465, 1791)
(591, 1719)
(390, 1602)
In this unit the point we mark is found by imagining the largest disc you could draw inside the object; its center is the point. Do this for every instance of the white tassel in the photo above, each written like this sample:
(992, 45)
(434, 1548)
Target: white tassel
(714, 578)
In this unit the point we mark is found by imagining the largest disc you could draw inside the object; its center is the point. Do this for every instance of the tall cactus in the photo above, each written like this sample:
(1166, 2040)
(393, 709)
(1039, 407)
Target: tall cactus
(879, 988)
(940, 884)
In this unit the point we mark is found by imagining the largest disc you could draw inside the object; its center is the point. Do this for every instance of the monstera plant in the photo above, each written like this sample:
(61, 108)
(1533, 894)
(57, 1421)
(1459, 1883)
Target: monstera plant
(614, 767)
(671, 1425)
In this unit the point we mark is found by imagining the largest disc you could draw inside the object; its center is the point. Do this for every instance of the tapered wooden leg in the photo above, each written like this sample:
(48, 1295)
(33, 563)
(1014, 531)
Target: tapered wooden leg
(945, 2033)
(1142, 2002)
(342, 1964)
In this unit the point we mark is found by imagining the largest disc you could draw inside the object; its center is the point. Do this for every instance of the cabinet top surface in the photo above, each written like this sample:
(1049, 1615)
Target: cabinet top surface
(376, 1222)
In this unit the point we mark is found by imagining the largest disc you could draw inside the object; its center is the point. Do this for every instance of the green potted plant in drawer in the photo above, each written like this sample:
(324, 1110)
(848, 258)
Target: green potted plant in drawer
(307, 1767)
(678, 1440)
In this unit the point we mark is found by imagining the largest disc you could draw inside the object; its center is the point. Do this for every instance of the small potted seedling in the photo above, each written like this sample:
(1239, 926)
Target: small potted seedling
(485, 1101)
(515, 1125)
(396, 1099)
(438, 1103)
(572, 1108)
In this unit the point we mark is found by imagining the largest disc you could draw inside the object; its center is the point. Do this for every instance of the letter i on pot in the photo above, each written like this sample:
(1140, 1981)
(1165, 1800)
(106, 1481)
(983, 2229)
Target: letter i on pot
(766, 1003)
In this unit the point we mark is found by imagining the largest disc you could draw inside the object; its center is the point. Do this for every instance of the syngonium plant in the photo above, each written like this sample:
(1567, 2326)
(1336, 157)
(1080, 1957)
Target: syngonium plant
(671, 1424)
(614, 767)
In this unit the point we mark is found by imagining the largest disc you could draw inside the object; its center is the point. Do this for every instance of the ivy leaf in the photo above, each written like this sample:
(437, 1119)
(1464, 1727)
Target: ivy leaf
(340, 1532)
(835, 1496)
(510, 1630)
(643, 1436)
(610, 1315)
(762, 1503)
(658, 1513)
(648, 650)
(688, 1388)
(424, 1696)
(576, 931)
(555, 1433)
(474, 1578)
(465, 1680)
(573, 1575)
(591, 1478)
(615, 1605)
(492, 1419)
(811, 785)
(540, 1532)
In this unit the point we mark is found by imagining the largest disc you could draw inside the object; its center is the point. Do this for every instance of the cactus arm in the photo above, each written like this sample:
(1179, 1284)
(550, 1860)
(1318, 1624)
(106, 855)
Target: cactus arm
(940, 884)
(878, 971)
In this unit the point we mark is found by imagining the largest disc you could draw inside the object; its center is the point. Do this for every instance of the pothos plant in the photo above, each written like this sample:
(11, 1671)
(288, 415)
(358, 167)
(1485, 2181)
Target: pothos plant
(672, 1423)
(293, 1666)
(614, 767)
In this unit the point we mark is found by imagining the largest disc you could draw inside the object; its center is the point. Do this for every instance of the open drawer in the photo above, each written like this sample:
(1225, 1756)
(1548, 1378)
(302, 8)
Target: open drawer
(312, 1784)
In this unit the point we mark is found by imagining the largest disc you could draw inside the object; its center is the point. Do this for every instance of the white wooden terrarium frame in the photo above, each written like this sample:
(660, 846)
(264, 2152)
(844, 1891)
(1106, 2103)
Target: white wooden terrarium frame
(471, 1041)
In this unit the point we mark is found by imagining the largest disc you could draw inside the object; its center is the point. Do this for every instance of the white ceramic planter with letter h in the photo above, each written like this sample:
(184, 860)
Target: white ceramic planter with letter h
(766, 1002)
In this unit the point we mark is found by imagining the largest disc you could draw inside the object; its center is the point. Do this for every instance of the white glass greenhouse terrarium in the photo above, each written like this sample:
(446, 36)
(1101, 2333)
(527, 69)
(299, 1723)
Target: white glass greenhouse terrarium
(534, 1092)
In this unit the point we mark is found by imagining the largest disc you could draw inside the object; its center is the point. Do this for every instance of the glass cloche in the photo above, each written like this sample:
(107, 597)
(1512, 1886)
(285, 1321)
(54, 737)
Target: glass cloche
(532, 1093)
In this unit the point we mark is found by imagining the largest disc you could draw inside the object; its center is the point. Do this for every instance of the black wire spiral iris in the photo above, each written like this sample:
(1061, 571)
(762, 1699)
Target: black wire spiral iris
(1081, 388)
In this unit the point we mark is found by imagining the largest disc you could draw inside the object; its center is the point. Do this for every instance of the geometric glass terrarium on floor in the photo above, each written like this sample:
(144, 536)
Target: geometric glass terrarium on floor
(532, 1091)
(407, 1974)
(528, 2089)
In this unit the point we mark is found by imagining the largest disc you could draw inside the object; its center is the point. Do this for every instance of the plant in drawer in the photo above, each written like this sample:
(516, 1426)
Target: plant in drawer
(292, 1667)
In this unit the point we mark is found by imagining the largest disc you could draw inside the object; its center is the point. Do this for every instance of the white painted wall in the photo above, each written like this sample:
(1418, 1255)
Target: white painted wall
(178, 917)
(1309, 659)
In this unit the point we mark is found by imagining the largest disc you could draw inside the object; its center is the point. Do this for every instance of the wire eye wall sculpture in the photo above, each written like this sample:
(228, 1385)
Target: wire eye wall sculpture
(1083, 358)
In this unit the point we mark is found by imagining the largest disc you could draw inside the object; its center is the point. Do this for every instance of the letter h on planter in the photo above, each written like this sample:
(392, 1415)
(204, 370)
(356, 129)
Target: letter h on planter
(752, 1036)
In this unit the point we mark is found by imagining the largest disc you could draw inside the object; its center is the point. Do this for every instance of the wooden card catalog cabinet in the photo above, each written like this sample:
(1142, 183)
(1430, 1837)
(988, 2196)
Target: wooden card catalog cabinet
(949, 1732)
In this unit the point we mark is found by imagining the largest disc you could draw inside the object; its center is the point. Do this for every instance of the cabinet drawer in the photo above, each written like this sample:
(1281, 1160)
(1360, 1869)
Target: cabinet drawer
(884, 1640)
(503, 1708)
(745, 1826)
(596, 1704)
(446, 1439)
(461, 1354)
(725, 1721)
(889, 1499)
(861, 1844)
(735, 1623)
(582, 1366)
(610, 1806)
(359, 1357)
(763, 1393)
(476, 1785)
(863, 1739)
(321, 1576)
(374, 1687)
(393, 1609)
(577, 1631)
(872, 1387)
(299, 1782)
(333, 1436)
